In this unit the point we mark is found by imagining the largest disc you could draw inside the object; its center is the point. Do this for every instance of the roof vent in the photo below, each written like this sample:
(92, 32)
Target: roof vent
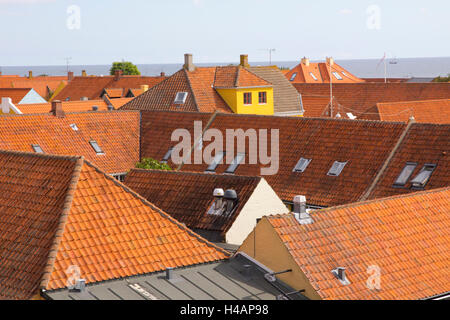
(300, 210)
(218, 192)
(74, 127)
(351, 116)
(110, 108)
(339, 273)
(84, 99)
(169, 273)
(94, 108)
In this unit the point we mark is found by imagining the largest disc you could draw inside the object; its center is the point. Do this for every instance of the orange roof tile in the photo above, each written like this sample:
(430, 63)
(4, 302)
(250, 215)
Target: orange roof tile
(428, 111)
(116, 132)
(68, 106)
(16, 94)
(407, 237)
(236, 77)
(72, 214)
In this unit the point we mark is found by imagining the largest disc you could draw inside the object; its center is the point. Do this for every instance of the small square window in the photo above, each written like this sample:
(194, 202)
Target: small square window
(293, 76)
(247, 98)
(167, 155)
(236, 162)
(406, 173)
(301, 165)
(96, 147)
(180, 98)
(421, 180)
(313, 76)
(337, 75)
(37, 148)
(336, 168)
(216, 161)
(262, 97)
(74, 127)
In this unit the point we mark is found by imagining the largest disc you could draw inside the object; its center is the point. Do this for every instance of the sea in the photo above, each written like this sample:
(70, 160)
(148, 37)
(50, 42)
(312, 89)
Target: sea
(363, 68)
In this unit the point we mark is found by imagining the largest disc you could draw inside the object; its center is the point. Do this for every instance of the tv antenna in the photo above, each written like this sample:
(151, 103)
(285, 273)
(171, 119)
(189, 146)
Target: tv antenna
(68, 59)
(270, 50)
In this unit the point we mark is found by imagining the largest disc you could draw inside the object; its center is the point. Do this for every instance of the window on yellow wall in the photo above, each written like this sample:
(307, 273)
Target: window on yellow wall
(262, 97)
(247, 98)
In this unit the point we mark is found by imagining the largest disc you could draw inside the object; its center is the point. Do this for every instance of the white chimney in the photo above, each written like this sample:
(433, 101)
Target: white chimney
(7, 106)
(300, 210)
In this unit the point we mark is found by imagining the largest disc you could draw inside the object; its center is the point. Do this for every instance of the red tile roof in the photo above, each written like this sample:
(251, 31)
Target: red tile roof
(321, 72)
(316, 106)
(237, 76)
(357, 98)
(187, 196)
(68, 213)
(70, 106)
(201, 97)
(16, 95)
(116, 132)
(92, 87)
(427, 111)
(423, 144)
(407, 237)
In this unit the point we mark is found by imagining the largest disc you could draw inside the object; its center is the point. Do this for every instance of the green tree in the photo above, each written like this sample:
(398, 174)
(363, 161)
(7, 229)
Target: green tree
(127, 68)
(149, 163)
(442, 79)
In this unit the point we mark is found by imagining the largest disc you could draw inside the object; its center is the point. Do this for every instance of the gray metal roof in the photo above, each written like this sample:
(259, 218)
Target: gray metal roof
(238, 278)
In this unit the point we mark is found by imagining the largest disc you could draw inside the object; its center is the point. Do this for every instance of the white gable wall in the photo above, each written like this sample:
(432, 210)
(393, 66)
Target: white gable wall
(263, 202)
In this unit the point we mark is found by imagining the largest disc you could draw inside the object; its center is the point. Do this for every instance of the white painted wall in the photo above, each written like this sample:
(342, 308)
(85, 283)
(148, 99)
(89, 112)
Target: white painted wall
(263, 202)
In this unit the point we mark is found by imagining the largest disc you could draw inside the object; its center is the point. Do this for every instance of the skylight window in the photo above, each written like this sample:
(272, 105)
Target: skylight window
(337, 75)
(302, 164)
(74, 127)
(180, 98)
(96, 147)
(336, 168)
(37, 148)
(216, 161)
(420, 181)
(236, 162)
(406, 173)
(293, 76)
(344, 74)
(167, 155)
(313, 76)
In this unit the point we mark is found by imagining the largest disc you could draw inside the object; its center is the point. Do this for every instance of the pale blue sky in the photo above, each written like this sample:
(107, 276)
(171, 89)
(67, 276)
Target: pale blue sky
(35, 32)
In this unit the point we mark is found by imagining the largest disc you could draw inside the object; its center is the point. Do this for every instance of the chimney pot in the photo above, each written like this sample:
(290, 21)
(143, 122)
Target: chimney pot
(244, 61)
(83, 73)
(189, 62)
(163, 74)
(57, 109)
(169, 273)
(30, 74)
(300, 212)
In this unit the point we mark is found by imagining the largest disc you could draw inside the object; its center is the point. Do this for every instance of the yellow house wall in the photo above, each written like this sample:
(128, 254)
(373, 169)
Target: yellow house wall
(235, 99)
(264, 245)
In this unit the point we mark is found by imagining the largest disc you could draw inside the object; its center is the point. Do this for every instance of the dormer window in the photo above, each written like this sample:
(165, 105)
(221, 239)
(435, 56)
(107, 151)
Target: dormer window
(96, 147)
(216, 161)
(293, 76)
(406, 173)
(167, 155)
(180, 98)
(421, 180)
(337, 75)
(37, 148)
(301, 165)
(236, 162)
(336, 168)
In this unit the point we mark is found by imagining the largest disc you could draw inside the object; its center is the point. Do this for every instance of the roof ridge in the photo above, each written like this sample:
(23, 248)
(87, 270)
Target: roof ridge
(238, 73)
(192, 90)
(413, 101)
(41, 155)
(61, 224)
(203, 174)
(151, 205)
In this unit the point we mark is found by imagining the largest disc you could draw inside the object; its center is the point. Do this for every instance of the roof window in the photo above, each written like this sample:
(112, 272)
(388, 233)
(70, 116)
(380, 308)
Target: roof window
(96, 147)
(406, 173)
(301, 165)
(74, 127)
(337, 75)
(420, 181)
(293, 76)
(336, 168)
(236, 162)
(313, 76)
(37, 148)
(180, 98)
(216, 161)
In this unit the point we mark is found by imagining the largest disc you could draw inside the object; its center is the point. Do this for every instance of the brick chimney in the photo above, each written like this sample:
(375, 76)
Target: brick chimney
(144, 87)
(118, 74)
(163, 74)
(83, 73)
(70, 76)
(189, 62)
(305, 61)
(244, 61)
(30, 74)
(57, 109)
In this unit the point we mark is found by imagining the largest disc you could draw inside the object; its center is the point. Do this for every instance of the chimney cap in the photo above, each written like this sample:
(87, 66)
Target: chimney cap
(230, 194)
(218, 192)
(299, 199)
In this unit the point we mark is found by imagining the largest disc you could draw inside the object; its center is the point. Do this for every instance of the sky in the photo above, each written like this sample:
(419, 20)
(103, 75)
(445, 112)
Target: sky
(45, 32)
